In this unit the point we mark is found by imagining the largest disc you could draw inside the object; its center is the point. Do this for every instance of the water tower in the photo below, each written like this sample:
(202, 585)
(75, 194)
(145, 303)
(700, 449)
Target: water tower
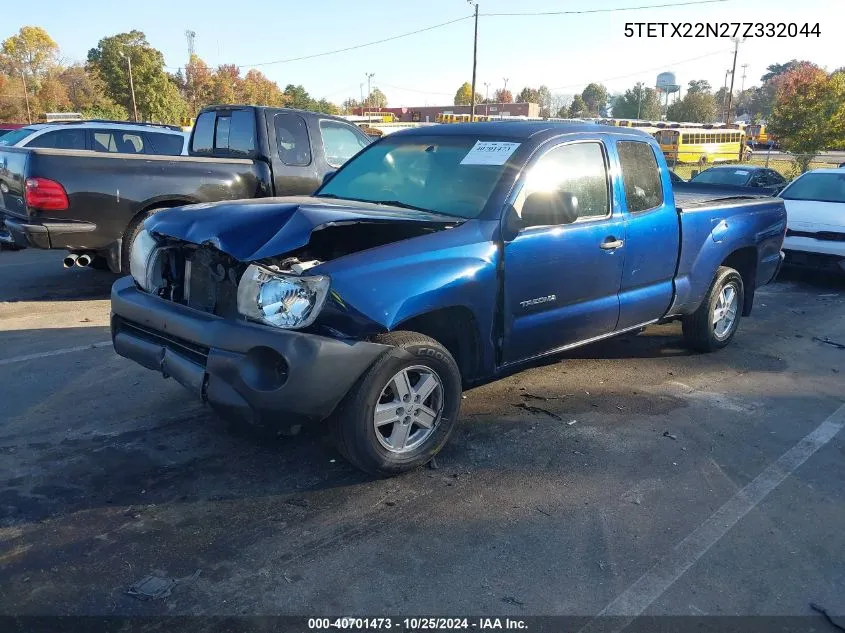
(667, 84)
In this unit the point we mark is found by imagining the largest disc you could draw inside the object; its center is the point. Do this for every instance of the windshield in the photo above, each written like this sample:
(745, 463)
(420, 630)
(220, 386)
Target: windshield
(819, 187)
(14, 136)
(452, 175)
(736, 177)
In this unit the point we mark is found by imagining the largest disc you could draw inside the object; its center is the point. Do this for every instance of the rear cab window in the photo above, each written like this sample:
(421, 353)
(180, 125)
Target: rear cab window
(224, 133)
(640, 176)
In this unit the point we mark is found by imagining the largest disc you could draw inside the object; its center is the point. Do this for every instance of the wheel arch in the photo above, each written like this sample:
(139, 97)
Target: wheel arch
(454, 327)
(744, 261)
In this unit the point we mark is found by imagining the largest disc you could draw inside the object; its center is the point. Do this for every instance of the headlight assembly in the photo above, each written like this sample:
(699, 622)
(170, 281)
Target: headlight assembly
(145, 262)
(286, 301)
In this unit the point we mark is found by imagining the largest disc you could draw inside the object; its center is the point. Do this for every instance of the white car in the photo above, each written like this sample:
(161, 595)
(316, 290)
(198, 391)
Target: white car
(815, 218)
(101, 136)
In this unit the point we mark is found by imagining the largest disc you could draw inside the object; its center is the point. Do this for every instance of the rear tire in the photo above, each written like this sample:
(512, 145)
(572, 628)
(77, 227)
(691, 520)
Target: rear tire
(402, 411)
(715, 323)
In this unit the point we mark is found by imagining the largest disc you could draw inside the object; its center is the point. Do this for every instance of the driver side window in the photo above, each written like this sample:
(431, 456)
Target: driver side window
(576, 174)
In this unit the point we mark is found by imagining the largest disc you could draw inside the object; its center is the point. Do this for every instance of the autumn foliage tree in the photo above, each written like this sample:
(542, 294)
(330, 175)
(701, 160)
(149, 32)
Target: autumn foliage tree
(809, 112)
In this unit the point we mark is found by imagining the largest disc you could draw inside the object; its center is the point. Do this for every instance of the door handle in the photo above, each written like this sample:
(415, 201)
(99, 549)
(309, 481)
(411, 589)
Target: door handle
(610, 245)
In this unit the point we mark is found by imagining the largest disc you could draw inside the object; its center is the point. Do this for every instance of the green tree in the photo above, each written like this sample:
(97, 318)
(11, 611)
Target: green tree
(595, 99)
(544, 98)
(157, 96)
(464, 94)
(577, 108)
(699, 86)
(298, 97)
(775, 70)
(377, 99)
(809, 112)
(87, 95)
(326, 107)
(31, 51)
(528, 95)
(695, 107)
(638, 102)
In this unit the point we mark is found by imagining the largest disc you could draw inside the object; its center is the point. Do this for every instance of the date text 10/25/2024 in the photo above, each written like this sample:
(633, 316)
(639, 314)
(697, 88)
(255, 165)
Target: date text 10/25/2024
(417, 624)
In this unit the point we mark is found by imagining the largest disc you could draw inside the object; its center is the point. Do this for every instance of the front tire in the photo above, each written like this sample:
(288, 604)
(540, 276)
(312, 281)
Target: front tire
(714, 324)
(402, 411)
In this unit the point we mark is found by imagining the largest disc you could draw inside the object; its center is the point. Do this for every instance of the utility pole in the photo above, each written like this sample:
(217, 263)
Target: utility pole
(725, 97)
(361, 103)
(369, 92)
(744, 66)
(474, 62)
(505, 90)
(639, 100)
(486, 98)
(737, 42)
(26, 97)
(131, 85)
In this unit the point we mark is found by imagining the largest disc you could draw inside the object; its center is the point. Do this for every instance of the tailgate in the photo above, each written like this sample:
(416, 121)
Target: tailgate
(13, 163)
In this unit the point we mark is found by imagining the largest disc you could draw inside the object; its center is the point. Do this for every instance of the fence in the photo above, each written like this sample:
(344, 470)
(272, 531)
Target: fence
(788, 165)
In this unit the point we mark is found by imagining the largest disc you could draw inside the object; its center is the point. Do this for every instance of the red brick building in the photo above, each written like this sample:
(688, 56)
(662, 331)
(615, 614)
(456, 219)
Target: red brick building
(428, 114)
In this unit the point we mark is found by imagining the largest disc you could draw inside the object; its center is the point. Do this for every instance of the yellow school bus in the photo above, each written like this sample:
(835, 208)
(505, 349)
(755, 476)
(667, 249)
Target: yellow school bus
(701, 146)
(758, 135)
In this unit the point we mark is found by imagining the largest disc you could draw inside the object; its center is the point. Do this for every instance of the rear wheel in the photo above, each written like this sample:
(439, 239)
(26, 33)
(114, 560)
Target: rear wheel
(403, 409)
(714, 324)
(129, 236)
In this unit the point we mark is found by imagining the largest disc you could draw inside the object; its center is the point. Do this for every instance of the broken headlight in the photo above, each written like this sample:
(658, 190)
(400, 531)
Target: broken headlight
(287, 301)
(145, 263)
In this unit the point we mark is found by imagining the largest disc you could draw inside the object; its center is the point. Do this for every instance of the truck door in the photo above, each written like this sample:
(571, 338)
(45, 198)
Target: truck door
(561, 280)
(652, 236)
(296, 170)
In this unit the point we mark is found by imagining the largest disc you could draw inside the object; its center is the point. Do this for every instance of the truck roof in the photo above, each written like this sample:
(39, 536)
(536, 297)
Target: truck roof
(520, 129)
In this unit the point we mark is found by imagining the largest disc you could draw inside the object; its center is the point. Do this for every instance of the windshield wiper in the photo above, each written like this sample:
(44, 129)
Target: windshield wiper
(400, 204)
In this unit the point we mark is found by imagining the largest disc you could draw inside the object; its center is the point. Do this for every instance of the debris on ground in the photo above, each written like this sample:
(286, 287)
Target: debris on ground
(512, 600)
(541, 511)
(827, 341)
(839, 623)
(669, 435)
(154, 587)
(532, 409)
(571, 422)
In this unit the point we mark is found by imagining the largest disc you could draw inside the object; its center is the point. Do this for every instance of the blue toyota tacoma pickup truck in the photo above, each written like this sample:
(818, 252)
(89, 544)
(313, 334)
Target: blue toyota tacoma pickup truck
(436, 259)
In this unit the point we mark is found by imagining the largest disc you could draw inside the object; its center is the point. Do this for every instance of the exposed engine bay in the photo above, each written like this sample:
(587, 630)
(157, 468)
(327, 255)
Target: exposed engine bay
(205, 278)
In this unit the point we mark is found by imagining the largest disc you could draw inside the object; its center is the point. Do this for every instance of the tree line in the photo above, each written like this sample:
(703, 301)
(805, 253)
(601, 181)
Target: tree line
(34, 81)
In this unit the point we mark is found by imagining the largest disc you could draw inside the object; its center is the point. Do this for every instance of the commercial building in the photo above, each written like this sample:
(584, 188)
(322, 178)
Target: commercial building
(428, 114)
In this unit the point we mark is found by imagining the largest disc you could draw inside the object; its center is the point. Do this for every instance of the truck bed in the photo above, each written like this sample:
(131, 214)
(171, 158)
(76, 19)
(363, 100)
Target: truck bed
(694, 196)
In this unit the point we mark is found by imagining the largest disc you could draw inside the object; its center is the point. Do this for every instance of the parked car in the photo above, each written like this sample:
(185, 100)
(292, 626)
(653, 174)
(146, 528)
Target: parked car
(436, 259)
(815, 208)
(101, 136)
(91, 204)
(761, 178)
(5, 128)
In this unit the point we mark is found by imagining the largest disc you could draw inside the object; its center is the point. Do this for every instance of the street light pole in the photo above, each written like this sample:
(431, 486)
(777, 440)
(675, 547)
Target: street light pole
(486, 98)
(131, 85)
(26, 97)
(369, 92)
(505, 90)
(474, 63)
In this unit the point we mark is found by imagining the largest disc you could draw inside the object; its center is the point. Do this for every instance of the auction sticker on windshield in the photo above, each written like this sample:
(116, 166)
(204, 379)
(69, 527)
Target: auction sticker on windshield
(489, 153)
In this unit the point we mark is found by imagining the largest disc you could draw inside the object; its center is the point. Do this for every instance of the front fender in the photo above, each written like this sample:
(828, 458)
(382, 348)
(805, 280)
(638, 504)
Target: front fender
(393, 283)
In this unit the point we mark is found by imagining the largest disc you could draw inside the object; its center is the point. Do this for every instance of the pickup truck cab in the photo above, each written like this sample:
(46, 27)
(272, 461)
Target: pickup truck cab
(93, 203)
(436, 259)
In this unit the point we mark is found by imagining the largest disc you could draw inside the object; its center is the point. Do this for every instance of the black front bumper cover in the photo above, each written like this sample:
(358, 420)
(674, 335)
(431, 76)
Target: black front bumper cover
(247, 372)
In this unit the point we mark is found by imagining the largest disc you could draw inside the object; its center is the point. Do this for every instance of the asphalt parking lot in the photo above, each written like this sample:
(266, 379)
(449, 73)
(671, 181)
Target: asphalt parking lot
(630, 477)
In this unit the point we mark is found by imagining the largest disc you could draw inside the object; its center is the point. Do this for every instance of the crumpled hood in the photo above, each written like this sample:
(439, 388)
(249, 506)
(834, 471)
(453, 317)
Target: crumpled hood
(250, 230)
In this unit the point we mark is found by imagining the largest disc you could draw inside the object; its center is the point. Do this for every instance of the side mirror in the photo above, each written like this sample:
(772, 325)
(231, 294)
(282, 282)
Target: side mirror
(328, 177)
(548, 208)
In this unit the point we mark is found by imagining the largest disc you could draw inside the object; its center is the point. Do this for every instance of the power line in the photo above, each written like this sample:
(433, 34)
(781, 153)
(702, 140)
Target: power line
(608, 10)
(647, 70)
(467, 17)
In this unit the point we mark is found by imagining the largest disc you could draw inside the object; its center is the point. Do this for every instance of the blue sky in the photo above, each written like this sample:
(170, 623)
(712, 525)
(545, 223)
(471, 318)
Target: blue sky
(564, 52)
